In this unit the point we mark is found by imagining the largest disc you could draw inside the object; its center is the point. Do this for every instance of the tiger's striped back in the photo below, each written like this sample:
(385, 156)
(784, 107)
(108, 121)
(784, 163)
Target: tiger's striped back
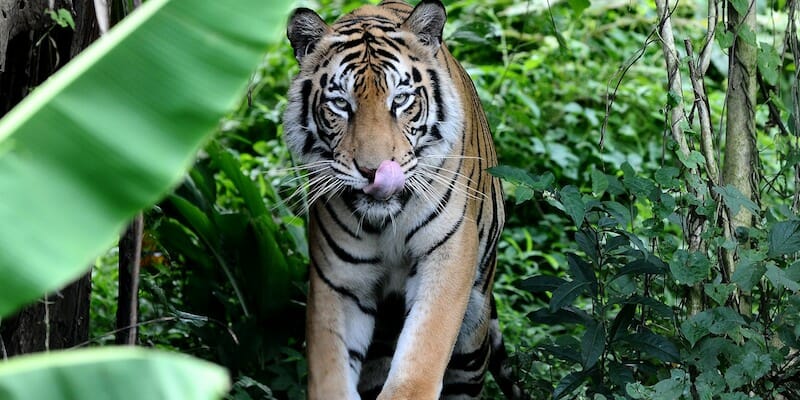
(400, 302)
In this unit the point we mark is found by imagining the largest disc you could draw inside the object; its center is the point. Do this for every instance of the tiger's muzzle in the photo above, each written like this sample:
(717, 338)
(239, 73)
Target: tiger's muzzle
(388, 180)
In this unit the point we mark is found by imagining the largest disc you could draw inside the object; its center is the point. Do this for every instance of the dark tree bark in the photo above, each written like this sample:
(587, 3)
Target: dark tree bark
(59, 321)
(130, 250)
(33, 47)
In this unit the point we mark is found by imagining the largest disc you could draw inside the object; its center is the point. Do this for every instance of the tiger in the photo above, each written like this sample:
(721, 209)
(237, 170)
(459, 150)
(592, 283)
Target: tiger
(403, 217)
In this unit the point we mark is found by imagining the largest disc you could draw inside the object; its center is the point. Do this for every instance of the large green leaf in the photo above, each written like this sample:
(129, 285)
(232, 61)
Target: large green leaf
(593, 344)
(116, 128)
(111, 373)
(784, 238)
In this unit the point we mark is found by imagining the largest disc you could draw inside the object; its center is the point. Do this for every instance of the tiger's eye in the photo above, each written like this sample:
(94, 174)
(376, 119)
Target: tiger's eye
(400, 99)
(340, 103)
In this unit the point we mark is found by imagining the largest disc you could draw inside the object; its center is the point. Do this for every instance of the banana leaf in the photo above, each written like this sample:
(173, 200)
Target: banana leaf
(111, 373)
(115, 129)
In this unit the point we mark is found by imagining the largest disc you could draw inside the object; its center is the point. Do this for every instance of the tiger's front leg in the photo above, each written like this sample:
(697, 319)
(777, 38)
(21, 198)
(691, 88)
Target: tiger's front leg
(438, 294)
(340, 321)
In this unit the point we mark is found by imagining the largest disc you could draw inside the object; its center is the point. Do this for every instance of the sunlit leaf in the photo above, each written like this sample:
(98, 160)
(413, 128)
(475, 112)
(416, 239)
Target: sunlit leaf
(111, 373)
(115, 129)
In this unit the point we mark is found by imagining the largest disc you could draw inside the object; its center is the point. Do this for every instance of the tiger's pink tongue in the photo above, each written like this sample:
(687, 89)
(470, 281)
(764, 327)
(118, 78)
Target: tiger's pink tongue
(389, 179)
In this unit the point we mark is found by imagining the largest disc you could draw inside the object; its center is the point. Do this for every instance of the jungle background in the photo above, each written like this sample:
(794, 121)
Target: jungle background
(649, 152)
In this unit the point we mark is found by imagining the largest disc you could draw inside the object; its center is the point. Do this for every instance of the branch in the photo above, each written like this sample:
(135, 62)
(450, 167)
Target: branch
(705, 53)
(703, 114)
(673, 75)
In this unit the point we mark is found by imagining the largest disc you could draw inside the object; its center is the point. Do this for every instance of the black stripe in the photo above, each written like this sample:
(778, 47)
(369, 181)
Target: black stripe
(340, 252)
(339, 222)
(437, 94)
(371, 394)
(435, 213)
(449, 234)
(491, 247)
(471, 389)
(473, 361)
(305, 94)
(356, 355)
(350, 57)
(416, 75)
(435, 133)
(308, 145)
(380, 349)
(343, 291)
(385, 54)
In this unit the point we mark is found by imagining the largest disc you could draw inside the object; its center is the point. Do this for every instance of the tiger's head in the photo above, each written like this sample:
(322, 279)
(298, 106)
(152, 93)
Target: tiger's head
(372, 105)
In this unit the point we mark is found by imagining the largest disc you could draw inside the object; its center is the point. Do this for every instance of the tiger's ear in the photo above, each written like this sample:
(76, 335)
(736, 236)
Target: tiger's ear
(427, 22)
(304, 30)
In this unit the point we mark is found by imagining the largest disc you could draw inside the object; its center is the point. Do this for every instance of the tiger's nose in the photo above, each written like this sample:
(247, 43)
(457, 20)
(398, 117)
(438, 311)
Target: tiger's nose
(368, 173)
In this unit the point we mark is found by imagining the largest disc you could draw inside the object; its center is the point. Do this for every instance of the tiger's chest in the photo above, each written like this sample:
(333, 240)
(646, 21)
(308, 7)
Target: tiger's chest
(376, 259)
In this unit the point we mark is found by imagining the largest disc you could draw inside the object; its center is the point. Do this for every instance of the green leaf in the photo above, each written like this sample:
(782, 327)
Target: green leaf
(111, 373)
(593, 344)
(747, 35)
(62, 17)
(780, 278)
(724, 38)
(756, 365)
(520, 176)
(115, 129)
(660, 308)
(566, 294)
(589, 242)
(569, 383)
(621, 213)
(247, 189)
(674, 99)
(511, 174)
(565, 315)
(689, 268)
(666, 177)
(693, 160)
(655, 345)
(726, 320)
(578, 6)
(719, 292)
(677, 386)
(784, 238)
(573, 204)
(769, 63)
(566, 353)
(740, 6)
(708, 384)
(697, 326)
(581, 271)
(640, 187)
(599, 182)
(65, 16)
(749, 270)
(650, 265)
(736, 376)
(735, 200)
(541, 283)
(522, 194)
(622, 321)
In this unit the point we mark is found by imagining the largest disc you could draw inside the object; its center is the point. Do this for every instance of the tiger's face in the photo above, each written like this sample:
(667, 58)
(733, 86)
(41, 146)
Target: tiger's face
(370, 110)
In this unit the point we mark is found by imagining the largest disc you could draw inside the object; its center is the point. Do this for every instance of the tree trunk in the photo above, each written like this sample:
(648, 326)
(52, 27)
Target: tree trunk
(740, 124)
(740, 128)
(130, 250)
(61, 320)
(33, 47)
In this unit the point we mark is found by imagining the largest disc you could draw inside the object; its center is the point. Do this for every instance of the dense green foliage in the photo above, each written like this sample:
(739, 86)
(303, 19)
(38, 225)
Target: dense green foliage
(594, 274)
